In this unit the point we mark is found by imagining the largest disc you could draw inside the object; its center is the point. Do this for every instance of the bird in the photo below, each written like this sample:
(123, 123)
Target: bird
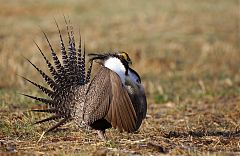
(131, 82)
(113, 97)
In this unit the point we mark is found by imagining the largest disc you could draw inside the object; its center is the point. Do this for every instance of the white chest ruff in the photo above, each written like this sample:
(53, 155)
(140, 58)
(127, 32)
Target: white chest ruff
(116, 65)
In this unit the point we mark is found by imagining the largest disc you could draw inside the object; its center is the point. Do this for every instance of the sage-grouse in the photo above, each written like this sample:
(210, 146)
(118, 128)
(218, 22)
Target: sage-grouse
(114, 97)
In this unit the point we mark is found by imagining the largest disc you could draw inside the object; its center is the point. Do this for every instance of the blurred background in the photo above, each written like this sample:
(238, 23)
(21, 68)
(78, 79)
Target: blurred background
(187, 53)
(169, 41)
(179, 48)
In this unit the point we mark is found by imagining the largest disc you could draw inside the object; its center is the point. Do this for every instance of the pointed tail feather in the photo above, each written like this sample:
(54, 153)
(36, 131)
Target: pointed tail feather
(62, 47)
(43, 89)
(82, 65)
(88, 77)
(60, 123)
(47, 79)
(46, 101)
(72, 54)
(53, 110)
(68, 79)
(54, 117)
(52, 70)
(81, 62)
(54, 55)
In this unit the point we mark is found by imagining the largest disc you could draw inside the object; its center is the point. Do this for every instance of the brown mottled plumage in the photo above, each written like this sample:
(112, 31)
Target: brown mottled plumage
(100, 103)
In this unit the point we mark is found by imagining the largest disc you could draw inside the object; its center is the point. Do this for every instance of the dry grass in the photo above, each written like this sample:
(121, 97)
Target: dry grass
(186, 52)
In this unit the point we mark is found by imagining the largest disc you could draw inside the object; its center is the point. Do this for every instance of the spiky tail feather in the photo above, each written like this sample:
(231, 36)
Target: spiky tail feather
(66, 76)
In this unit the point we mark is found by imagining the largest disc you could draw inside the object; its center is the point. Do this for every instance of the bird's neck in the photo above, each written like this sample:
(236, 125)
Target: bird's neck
(116, 65)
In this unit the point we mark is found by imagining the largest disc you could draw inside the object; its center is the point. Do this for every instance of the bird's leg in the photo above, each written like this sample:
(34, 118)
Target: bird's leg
(101, 134)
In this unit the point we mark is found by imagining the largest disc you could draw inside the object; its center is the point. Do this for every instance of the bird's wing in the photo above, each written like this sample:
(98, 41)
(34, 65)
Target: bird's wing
(121, 113)
(138, 98)
(107, 98)
(98, 97)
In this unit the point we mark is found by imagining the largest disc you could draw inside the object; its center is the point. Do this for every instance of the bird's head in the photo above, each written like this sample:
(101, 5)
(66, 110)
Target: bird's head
(103, 57)
(124, 57)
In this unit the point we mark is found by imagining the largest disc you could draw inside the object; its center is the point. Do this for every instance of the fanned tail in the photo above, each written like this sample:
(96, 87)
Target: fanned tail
(66, 76)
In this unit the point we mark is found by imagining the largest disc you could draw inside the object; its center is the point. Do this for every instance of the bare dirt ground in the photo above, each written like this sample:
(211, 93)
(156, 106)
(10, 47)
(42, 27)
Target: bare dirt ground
(187, 53)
